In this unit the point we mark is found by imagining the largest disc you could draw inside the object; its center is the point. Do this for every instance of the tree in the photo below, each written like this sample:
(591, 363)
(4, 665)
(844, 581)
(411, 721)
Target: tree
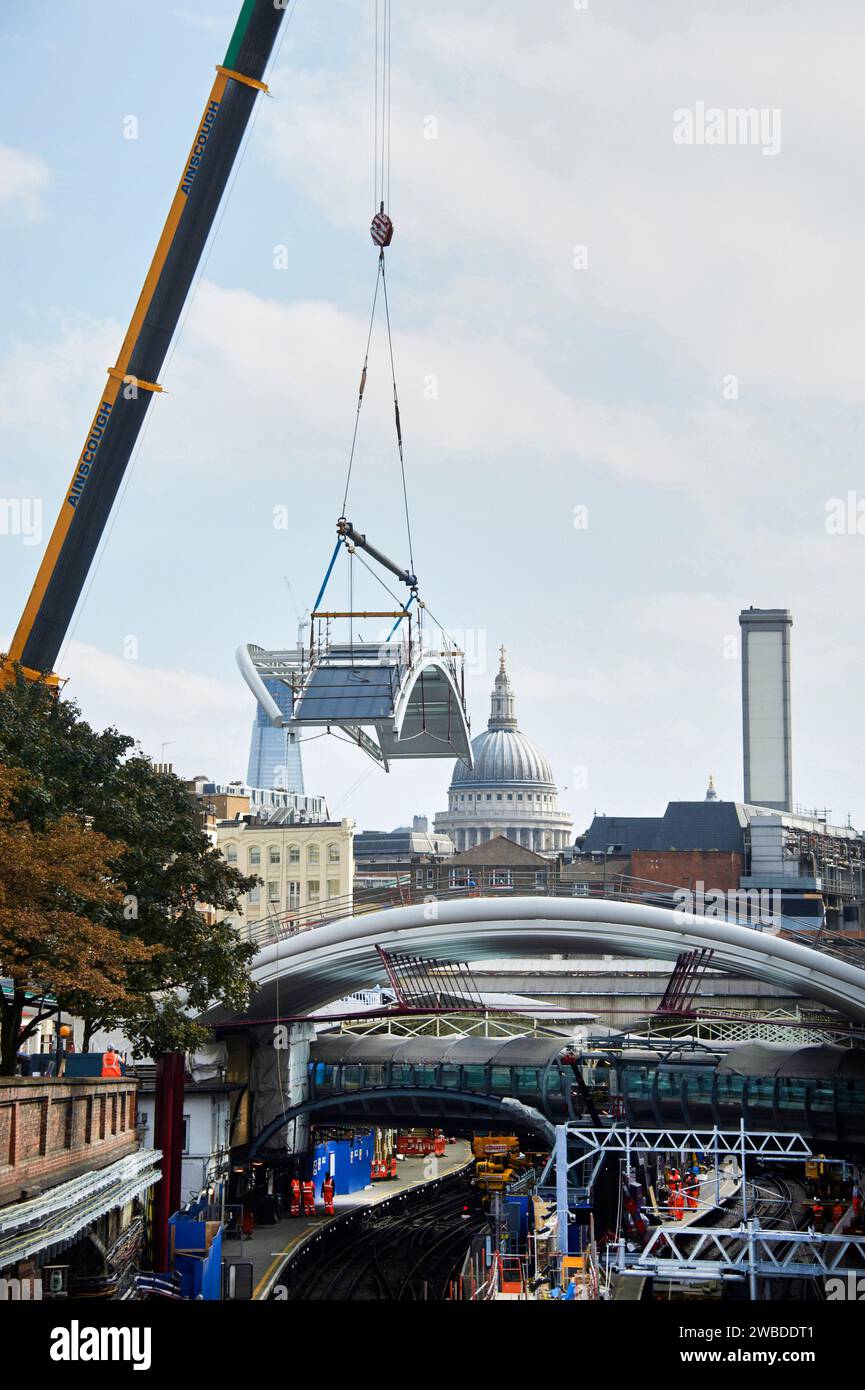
(50, 879)
(165, 871)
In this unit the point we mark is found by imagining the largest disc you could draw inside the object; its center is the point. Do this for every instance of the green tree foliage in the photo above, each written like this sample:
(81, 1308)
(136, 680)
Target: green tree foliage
(165, 870)
(50, 879)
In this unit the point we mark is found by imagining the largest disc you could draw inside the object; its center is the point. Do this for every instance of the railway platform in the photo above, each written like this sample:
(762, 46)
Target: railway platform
(268, 1248)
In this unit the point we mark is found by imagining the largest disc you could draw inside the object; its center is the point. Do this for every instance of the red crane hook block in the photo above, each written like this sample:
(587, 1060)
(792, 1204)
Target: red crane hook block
(381, 229)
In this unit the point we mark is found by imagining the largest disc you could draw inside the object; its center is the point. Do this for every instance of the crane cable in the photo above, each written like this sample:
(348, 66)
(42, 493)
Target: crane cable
(382, 232)
(396, 416)
(362, 386)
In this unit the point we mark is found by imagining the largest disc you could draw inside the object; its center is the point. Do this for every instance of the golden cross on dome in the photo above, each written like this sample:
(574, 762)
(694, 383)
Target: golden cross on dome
(502, 651)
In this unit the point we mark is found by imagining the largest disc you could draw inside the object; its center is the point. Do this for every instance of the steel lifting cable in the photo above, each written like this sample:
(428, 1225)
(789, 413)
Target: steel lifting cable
(382, 101)
(362, 387)
(382, 232)
(396, 413)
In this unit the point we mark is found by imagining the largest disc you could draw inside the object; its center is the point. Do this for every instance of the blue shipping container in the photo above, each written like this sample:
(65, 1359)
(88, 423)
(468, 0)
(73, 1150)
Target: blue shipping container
(350, 1161)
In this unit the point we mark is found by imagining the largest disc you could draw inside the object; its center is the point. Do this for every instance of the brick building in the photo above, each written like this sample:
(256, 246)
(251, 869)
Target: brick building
(72, 1178)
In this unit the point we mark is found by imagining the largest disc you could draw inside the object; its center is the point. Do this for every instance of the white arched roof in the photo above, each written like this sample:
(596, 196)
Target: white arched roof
(316, 967)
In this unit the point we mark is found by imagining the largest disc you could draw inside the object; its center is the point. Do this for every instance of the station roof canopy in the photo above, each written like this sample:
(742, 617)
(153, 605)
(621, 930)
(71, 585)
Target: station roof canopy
(479, 1052)
(778, 1059)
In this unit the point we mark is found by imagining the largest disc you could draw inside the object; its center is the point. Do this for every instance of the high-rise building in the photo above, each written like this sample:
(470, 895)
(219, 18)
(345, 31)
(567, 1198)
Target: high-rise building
(274, 752)
(766, 724)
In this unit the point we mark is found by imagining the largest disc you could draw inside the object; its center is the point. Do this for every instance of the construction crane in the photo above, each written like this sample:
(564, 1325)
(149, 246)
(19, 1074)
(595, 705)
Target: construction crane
(123, 405)
(134, 379)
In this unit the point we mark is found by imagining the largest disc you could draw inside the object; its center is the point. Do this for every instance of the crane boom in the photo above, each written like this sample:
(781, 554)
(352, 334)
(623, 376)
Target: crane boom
(133, 380)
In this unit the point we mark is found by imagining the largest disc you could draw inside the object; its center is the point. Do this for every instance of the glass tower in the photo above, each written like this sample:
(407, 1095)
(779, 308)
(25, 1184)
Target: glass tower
(274, 754)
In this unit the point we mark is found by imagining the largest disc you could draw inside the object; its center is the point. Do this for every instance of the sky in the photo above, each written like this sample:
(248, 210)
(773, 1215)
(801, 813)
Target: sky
(629, 345)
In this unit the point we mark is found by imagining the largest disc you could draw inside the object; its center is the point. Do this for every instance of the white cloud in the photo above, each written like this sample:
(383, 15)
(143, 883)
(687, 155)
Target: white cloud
(24, 179)
(202, 721)
(42, 384)
(555, 387)
(557, 132)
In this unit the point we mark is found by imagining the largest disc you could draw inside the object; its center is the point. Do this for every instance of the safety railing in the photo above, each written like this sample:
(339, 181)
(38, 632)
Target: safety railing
(278, 926)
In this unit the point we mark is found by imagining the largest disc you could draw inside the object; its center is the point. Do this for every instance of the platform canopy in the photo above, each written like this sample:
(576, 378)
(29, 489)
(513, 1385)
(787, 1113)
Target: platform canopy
(393, 699)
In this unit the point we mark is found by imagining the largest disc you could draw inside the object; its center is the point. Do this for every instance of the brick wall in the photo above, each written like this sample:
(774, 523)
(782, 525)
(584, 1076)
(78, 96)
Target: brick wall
(718, 870)
(52, 1130)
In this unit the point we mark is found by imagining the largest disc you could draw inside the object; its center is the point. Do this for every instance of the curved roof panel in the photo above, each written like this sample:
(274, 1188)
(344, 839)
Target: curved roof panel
(507, 1052)
(812, 1061)
(301, 974)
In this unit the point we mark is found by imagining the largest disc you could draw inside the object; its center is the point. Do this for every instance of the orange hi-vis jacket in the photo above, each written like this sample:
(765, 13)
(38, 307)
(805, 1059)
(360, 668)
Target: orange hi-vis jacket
(111, 1064)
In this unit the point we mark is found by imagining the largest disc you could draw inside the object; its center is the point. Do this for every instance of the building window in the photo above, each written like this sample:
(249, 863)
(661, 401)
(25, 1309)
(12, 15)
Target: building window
(500, 878)
(333, 887)
(333, 854)
(293, 894)
(254, 897)
(519, 796)
(231, 854)
(273, 855)
(313, 890)
(273, 891)
(294, 854)
(489, 796)
(510, 796)
(313, 854)
(254, 856)
(498, 796)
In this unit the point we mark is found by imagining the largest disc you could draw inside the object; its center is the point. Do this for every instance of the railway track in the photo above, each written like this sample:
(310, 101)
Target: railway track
(776, 1202)
(393, 1255)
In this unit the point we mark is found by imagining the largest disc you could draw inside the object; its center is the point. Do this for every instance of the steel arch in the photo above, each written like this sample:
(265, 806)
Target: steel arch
(316, 967)
(490, 1106)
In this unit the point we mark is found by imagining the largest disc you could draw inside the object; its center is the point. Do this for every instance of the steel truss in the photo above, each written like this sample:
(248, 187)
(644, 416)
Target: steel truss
(598, 1142)
(780, 1148)
(698, 1253)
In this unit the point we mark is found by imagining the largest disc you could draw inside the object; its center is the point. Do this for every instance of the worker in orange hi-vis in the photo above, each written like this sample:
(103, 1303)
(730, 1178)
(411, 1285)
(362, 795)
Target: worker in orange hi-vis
(677, 1203)
(111, 1063)
(327, 1194)
(295, 1197)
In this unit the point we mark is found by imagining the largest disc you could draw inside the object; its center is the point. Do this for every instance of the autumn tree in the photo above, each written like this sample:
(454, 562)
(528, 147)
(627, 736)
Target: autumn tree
(164, 873)
(53, 881)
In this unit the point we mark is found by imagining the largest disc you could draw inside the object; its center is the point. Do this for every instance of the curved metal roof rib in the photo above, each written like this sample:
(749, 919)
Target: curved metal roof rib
(329, 962)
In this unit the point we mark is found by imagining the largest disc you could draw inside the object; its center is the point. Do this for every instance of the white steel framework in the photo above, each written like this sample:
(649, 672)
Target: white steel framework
(700, 1253)
(598, 1142)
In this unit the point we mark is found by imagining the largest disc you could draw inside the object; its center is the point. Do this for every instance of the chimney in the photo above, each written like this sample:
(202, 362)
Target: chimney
(766, 727)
